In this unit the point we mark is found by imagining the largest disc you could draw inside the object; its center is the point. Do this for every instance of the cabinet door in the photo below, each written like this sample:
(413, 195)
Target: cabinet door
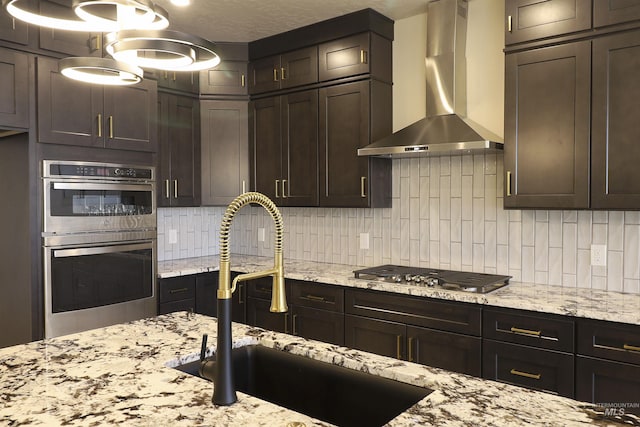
(547, 118)
(225, 151)
(258, 314)
(528, 367)
(375, 336)
(603, 381)
(299, 67)
(299, 149)
(182, 81)
(76, 43)
(446, 350)
(130, 114)
(207, 299)
(12, 29)
(344, 127)
(535, 19)
(344, 57)
(176, 294)
(615, 179)
(69, 112)
(228, 78)
(184, 137)
(615, 12)
(266, 154)
(264, 75)
(14, 89)
(319, 325)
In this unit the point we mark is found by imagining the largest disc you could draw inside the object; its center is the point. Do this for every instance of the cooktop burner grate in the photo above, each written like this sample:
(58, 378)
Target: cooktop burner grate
(446, 279)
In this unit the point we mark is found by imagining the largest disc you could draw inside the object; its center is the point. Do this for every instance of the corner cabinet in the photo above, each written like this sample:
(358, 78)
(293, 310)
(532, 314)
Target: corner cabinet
(179, 151)
(73, 113)
(352, 115)
(14, 87)
(284, 71)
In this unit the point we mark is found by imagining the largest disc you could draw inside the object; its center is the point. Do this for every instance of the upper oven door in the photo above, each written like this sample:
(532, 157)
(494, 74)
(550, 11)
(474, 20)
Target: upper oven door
(75, 206)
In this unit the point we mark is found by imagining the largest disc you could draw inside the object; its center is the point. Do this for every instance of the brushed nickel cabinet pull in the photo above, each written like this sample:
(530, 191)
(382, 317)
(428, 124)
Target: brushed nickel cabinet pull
(242, 80)
(631, 347)
(177, 291)
(363, 56)
(166, 187)
(398, 347)
(96, 41)
(284, 191)
(525, 332)
(99, 125)
(110, 127)
(410, 350)
(509, 24)
(275, 74)
(525, 374)
(508, 183)
(13, 23)
(363, 182)
(175, 188)
(277, 186)
(283, 74)
(295, 317)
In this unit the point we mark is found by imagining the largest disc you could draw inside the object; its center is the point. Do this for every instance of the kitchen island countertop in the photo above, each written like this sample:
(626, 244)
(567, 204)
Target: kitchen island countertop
(578, 302)
(122, 375)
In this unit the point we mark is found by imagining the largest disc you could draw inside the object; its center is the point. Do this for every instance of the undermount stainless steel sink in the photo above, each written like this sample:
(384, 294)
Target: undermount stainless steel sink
(321, 390)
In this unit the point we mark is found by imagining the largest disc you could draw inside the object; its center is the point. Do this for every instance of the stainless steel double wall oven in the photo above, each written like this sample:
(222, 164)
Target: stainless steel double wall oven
(99, 244)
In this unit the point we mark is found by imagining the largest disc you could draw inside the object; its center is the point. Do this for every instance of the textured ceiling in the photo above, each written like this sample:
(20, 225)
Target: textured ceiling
(248, 20)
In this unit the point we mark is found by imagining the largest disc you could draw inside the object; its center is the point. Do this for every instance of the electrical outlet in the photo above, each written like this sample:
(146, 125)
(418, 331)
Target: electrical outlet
(173, 237)
(599, 255)
(364, 240)
(260, 234)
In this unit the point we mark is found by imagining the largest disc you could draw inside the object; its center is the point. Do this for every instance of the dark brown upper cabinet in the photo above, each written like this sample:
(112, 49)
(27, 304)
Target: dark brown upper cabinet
(353, 115)
(615, 12)
(179, 150)
(366, 53)
(547, 127)
(12, 29)
(615, 151)
(76, 43)
(75, 113)
(284, 71)
(283, 133)
(176, 80)
(14, 89)
(535, 19)
(228, 78)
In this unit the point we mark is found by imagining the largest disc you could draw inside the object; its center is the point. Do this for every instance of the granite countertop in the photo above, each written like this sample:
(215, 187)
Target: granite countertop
(578, 302)
(122, 374)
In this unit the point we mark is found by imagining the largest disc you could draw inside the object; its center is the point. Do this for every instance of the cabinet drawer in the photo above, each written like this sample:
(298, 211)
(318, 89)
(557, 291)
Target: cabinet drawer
(319, 325)
(554, 333)
(605, 382)
(177, 288)
(181, 305)
(448, 316)
(608, 340)
(316, 295)
(528, 367)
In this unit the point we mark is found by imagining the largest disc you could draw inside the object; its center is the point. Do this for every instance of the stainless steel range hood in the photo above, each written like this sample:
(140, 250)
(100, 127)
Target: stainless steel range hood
(445, 130)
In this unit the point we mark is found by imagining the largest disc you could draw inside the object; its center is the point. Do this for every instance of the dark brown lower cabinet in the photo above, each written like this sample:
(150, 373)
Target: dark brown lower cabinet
(320, 325)
(609, 384)
(528, 367)
(446, 350)
(376, 336)
(176, 294)
(206, 299)
(258, 314)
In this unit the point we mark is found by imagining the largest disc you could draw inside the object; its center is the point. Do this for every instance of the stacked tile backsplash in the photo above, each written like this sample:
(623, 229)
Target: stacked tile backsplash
(446, 213)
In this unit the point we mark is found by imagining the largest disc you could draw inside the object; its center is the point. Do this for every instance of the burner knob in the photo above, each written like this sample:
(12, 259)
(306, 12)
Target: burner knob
(396, 278)
(408, 277)
(417, 279)
(432, 281)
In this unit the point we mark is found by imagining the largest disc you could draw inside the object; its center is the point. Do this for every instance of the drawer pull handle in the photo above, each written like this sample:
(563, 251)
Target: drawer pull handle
(176, 291)
(398, 345)
(315, 298)
(525, 332)
(631, 347)
(525, 374)
(410, 349)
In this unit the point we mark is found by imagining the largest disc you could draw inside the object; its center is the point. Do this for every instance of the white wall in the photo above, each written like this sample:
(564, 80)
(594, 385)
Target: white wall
(447, 211)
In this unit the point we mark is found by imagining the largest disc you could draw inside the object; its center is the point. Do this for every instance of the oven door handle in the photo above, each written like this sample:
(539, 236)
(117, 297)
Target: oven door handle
(95, 186)
(62, 253)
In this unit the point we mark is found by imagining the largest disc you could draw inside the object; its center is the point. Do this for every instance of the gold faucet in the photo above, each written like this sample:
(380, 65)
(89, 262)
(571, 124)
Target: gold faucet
(224, 388)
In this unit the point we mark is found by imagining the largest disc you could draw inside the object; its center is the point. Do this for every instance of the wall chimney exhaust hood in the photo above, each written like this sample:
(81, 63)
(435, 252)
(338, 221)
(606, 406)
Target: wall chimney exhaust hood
(445, 130)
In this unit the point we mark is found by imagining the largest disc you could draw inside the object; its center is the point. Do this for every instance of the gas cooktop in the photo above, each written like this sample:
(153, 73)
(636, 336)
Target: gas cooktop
(429, 277)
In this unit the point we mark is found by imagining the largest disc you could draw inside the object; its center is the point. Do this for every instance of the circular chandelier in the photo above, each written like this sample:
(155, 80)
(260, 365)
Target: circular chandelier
(137, 39)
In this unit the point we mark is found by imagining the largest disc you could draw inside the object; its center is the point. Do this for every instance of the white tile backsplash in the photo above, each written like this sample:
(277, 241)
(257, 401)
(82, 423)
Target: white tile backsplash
(446, 213)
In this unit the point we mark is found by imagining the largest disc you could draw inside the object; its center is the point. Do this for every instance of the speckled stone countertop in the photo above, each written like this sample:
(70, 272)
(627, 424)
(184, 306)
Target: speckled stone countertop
(578, 302)
(122, 375)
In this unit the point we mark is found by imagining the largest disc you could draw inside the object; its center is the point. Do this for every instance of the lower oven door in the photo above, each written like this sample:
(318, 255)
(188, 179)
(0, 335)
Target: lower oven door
(91, 286)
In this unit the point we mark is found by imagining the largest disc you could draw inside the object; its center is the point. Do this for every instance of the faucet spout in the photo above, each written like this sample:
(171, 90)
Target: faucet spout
(224, 387)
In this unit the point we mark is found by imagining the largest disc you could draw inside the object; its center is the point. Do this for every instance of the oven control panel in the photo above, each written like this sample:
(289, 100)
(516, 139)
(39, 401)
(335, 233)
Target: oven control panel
(96, 170)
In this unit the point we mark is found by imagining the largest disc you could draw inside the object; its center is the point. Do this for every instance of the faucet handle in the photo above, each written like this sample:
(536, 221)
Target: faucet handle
(203, 348)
